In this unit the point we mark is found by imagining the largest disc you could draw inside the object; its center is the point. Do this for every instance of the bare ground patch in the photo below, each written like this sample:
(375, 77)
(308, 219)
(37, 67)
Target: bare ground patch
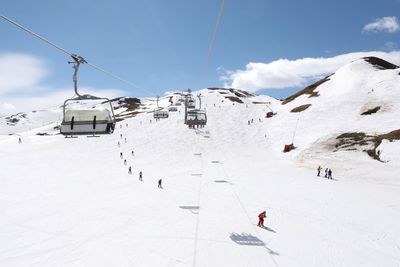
(380, 63)
(301, 108)
(367, 143)
(371, 111)
(309, 90)
(234, 99)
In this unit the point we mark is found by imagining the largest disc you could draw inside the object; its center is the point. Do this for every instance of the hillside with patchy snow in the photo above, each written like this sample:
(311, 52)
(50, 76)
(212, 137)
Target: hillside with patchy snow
(72, 201)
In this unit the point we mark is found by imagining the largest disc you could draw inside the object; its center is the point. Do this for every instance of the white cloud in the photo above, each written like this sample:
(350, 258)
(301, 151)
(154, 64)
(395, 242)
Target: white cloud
(20, 72)
(285, 73)
(386, 24)
(21, 86)
(7, 106)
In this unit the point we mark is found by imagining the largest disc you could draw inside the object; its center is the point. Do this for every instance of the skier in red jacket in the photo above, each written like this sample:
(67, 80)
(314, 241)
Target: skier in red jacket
(261, 217)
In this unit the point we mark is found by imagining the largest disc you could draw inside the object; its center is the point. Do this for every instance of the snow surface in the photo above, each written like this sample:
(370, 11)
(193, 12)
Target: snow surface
(71, 202)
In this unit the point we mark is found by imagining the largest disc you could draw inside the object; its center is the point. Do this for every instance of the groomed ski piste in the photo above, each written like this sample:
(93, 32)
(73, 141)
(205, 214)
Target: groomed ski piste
(72, 202)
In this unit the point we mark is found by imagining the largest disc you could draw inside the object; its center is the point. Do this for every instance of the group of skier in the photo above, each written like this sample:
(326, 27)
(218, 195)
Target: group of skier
(328, 172)
(130, 167)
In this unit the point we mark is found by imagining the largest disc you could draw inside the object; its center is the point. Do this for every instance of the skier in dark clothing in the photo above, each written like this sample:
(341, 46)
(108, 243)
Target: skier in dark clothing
(160, 183)
(319, 170)
(140, 176)
(130, 170)
(133, 153)
(124, 161)
(330, 174)
(326, 173)
(120, 155)
(261, 217)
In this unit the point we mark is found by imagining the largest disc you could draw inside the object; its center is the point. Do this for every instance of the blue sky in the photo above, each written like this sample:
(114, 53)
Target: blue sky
(161, 45)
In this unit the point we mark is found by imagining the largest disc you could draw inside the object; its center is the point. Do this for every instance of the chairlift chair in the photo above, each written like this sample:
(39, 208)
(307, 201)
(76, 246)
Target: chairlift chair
(196, 117)
(191, 103)
(83, 121)
(160, 114)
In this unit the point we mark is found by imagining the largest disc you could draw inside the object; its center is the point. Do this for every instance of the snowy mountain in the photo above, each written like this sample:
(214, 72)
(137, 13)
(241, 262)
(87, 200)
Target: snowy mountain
(72, 202)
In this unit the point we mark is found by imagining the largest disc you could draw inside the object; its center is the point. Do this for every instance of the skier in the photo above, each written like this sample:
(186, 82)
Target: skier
(140, 176)
(19, 140)
(120, 155)
(319, 170)
(130, 170)
(133, 153)
(251, 120)
(261, 217)
(248, 122)
(330, 174)
(124, 161)
(326, 173)
(118, 144)
(159, 183)
(120, 135)
(126, 125)
(125, 139)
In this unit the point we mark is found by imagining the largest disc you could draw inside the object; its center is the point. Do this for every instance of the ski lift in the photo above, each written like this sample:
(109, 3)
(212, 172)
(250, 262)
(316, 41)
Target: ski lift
(173, 109)
(79, 121)
(196, 118)
(191, 103)
(160, 114)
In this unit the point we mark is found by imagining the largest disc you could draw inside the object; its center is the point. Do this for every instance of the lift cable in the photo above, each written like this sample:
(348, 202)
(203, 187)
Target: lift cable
(214, 36)
(75, 57)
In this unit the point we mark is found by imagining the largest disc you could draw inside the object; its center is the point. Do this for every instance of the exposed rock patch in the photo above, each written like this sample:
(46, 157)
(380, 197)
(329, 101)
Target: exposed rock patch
(371, 111)
(301, 108)
(309, 90)
(367, 143)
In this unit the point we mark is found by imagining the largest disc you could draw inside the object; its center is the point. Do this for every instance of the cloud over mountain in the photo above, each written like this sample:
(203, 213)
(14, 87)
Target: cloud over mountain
(286, 73)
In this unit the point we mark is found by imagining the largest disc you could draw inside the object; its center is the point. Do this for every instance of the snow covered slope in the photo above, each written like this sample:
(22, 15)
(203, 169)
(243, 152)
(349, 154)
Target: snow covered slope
(72, 202)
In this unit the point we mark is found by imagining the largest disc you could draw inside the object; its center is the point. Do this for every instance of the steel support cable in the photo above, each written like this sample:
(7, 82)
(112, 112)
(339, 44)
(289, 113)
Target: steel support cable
(214, 36)
(73, 56)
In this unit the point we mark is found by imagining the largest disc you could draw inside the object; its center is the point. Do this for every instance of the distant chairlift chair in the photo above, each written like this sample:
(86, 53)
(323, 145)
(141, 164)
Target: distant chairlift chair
(160, 114)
